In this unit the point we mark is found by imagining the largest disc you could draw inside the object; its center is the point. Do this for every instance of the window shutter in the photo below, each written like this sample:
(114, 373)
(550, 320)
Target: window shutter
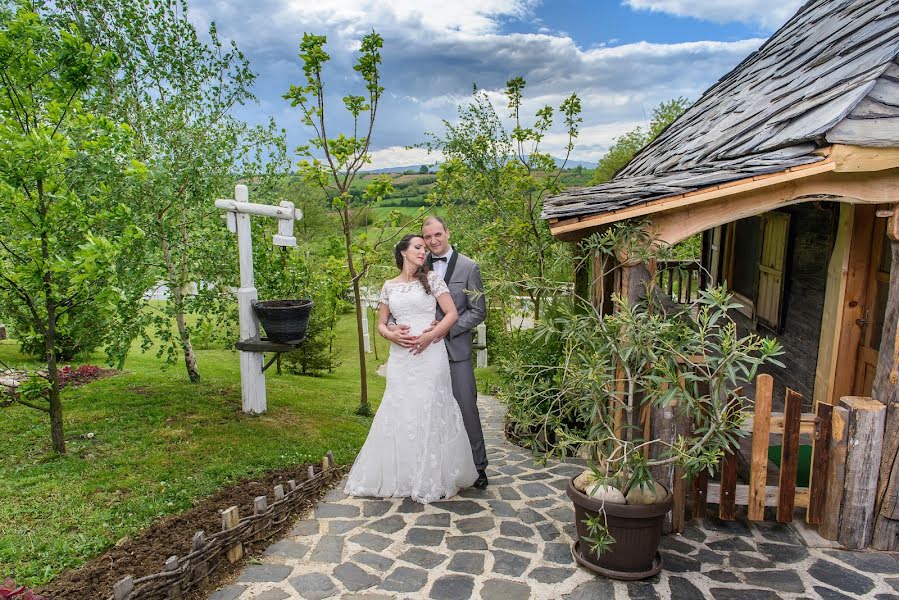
(771, 269)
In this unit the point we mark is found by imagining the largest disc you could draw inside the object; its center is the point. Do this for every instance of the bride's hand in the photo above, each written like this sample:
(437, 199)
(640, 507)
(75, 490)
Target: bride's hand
(424, 340)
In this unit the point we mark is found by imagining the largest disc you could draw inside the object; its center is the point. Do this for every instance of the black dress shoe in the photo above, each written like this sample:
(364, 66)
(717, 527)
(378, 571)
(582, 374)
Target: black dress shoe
(481, 482)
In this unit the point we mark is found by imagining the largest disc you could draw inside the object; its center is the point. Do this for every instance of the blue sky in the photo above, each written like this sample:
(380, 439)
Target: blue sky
(622, 57)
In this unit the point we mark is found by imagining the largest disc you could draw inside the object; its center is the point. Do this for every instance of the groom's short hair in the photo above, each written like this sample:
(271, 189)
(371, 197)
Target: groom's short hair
(433, 218)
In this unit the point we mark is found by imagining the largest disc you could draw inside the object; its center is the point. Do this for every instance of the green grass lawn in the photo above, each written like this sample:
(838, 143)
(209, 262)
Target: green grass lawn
(158, 443)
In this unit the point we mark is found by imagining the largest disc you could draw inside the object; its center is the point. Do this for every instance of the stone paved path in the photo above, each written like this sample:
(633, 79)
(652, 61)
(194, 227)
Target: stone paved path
(512, 541)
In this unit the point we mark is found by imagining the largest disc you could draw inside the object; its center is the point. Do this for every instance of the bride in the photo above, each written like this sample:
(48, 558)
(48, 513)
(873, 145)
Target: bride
(417, 445)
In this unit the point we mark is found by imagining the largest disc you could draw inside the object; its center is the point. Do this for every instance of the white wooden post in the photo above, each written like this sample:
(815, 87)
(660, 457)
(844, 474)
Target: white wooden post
(252, 379)
(481, 340)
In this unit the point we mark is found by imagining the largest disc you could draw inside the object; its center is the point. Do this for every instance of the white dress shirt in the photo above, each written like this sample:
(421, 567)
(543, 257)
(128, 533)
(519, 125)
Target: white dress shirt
(440, 266)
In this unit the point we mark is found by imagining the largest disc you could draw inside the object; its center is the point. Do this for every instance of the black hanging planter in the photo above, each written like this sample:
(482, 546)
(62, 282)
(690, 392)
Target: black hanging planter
(283, 320)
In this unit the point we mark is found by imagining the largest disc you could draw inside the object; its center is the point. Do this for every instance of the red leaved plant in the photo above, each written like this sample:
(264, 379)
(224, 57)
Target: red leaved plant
(10, 590)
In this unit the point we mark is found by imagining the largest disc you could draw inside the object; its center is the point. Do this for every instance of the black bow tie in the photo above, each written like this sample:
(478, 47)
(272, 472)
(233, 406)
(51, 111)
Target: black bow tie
(438, 258)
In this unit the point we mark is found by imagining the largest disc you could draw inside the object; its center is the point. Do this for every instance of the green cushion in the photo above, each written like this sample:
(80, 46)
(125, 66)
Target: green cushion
(803, 469)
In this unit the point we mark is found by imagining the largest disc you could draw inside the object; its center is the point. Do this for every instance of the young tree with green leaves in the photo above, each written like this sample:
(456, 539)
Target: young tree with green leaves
(62, 226)
(627, 146)
(332, 163)
(177, 91)
(507, 177)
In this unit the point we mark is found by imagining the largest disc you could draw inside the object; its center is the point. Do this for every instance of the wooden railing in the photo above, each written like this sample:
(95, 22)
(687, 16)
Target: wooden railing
(679, 278)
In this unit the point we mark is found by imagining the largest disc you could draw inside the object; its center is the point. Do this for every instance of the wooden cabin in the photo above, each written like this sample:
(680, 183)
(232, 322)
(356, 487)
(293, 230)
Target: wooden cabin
(788, 167)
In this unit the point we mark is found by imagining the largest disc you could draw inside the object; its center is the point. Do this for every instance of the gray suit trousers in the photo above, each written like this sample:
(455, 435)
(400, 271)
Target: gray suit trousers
(466, 392)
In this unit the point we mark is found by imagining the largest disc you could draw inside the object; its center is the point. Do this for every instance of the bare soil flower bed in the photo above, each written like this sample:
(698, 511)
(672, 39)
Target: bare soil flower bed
(146, 553)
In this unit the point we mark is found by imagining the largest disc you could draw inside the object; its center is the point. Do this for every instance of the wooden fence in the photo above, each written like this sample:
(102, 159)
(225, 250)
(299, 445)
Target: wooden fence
(785, 496)
(187, 573)
(679, 278)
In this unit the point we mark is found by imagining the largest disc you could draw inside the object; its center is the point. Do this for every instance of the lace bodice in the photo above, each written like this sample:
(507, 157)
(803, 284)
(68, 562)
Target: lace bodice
(409, 304)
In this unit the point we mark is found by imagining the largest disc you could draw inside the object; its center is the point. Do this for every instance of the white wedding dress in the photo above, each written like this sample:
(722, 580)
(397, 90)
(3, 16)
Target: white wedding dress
(417, 445)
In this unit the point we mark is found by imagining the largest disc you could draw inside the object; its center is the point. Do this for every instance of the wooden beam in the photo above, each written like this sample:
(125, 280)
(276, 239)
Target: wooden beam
(820, 462)
(836, 473)
(886, 390)
(866, 421)
(732, 188)
(789, 457)
(761, 432)
(859, 158)
(675, 225)
(834, 305)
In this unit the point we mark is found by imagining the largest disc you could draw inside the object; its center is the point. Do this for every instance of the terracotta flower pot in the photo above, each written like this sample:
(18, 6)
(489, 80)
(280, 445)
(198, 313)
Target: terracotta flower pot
(283, 320)
(637, 529)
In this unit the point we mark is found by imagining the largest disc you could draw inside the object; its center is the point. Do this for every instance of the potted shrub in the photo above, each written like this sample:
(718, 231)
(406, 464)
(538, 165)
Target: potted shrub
(283, 320)
(611, 368)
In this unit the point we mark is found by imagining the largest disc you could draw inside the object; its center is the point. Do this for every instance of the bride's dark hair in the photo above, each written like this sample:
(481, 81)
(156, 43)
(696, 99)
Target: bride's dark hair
(422, 272)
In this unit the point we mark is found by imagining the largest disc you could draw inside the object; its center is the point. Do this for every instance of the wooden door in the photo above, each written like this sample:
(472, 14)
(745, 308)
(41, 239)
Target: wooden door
(772, 264)
(873, 313)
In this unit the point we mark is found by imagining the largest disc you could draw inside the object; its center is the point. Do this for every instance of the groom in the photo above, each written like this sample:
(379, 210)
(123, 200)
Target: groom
(460, 273)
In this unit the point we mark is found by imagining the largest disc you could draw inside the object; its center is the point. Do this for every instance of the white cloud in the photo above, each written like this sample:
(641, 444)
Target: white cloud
(433, 53)
(400, 156)
(767, 13)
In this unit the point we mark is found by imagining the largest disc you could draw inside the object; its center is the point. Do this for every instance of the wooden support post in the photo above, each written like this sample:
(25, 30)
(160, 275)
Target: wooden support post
(325, 464)
(886, 390)
(727, 504)
(260, 505)
(330, 456)
(820, 463)
(171, 564)
(310, 473)
(866, 422)
(836, 473)
(201, 569)
(700, 492)
(758, 473)
(789, 457)
(291, 485)
(230, 520)
(279, 493)
(123, 589)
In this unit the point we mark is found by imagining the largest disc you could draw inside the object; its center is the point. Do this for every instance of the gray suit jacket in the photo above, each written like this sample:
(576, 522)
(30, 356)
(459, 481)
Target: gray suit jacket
(462, 274)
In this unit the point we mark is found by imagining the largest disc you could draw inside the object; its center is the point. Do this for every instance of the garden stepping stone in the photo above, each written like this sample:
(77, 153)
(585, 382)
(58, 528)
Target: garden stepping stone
(550, 574)
(506, 563)
(829, 594)
(379, 562)
(467, 562)
(452, 587)
(390, 524)
(530, 516)
(475, 524)
(230, 592)
(314, 586)
(535, 490)
(642, 591)
(871, 562)
(840, 577)
(307, 527)
(371, 541)
(460, 507)
(433, 520)
(516, 544)
(408, 505)
(419, 536)
(743, 594)
(328, 549)
(332, 511)
(733, 544)
(507, 493)
(684, 590)
(287, 549)
(738, 560)
(465, 542)
(376, 508)
(783, 581)
(422, 558)
(405, 579)
(340, 527)
(558, 553)
(511, 528)
(595, 589)
(722, 576)
(260, 573)
(783, 553)
(502, 509)
(273, 594)
(353, 578)
(500, 589)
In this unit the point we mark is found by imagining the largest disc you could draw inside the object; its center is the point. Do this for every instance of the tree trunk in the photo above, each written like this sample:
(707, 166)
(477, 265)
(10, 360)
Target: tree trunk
(176, 292)
(56, 428)
(886, 525)
(364, 409)
(581, 278)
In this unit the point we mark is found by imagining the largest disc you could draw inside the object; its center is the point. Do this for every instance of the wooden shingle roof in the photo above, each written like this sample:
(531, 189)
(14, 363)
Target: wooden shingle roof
(829, 75)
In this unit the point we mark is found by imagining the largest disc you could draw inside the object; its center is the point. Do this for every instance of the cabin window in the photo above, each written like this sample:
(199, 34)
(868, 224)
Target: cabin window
(757, 249)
